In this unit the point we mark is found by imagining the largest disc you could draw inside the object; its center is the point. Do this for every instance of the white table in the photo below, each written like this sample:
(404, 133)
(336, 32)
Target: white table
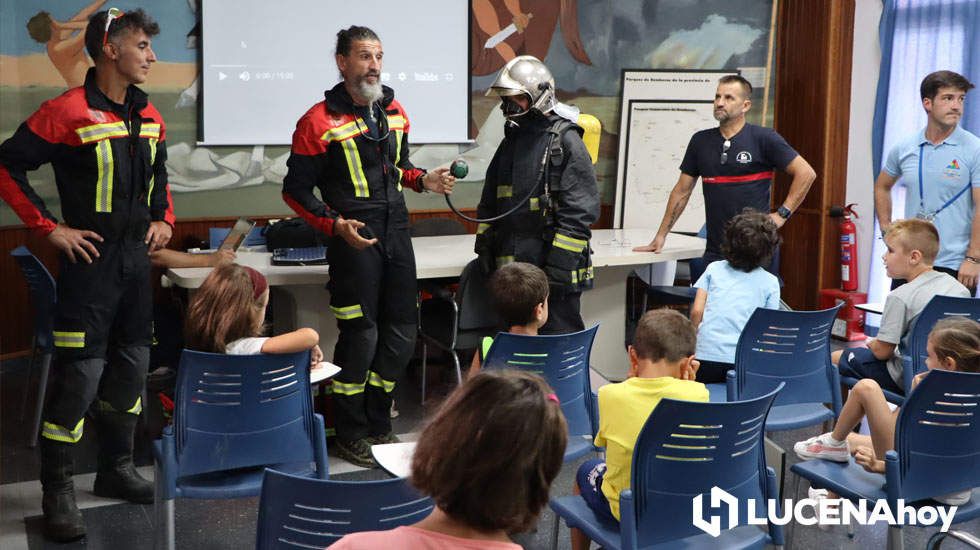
(302, 299)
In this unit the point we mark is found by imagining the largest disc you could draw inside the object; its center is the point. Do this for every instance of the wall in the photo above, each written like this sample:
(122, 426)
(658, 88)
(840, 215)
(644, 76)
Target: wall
(866, 62)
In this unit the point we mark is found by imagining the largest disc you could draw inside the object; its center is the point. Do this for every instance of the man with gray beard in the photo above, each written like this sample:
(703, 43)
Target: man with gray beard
(353, 147)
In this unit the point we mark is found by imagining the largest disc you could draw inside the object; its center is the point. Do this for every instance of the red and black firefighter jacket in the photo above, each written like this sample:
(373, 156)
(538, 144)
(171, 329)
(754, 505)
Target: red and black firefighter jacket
(359, 177)
(108, 160)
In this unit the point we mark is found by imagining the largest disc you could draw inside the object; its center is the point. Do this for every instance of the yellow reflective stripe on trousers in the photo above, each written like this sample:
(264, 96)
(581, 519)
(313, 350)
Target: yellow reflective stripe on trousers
(348, 312)
(103, 187)
(68, 339)
(153, 158)
(534, 204)
(99, 132)
(60, 433)
(348, 389)
(357, 176)
(569, 243)
(482, 228)
(375, 380)
(505, 191)
(137, 407)
(504, 260)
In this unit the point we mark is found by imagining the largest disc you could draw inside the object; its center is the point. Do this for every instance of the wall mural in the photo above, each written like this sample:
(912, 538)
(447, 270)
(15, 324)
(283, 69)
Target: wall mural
(586, 43)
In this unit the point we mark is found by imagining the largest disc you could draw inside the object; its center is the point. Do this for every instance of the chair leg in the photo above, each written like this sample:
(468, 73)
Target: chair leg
(895, 541)
(169, 530)
(27, 384)
(791, 527)
(459, 372)
(425, 357)
(42, 389)
(554, 532)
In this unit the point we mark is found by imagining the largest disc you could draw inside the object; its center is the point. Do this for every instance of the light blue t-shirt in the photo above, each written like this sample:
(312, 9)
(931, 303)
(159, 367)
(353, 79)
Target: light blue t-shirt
(733, 296)
(947, 169)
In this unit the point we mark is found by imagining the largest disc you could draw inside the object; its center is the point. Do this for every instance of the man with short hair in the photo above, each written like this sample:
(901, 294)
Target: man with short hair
(736, 164)
(106, 143)
(353, 147)
(940, 167)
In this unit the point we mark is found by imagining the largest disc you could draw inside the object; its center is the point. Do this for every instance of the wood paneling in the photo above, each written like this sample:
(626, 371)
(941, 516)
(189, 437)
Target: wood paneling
(813, 83)
(15, 310)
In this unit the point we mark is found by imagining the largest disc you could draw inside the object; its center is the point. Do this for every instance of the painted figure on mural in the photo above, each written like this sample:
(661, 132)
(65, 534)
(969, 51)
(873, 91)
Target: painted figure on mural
(65, 42)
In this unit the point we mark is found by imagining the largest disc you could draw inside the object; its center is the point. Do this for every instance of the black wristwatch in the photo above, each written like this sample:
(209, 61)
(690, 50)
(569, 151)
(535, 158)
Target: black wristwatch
(784, 212)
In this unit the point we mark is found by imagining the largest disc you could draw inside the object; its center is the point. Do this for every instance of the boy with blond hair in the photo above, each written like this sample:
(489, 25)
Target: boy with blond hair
(911, 248)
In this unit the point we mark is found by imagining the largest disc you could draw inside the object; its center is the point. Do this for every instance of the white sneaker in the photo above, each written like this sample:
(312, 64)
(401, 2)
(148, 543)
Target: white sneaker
(954, 499)
(822, 447)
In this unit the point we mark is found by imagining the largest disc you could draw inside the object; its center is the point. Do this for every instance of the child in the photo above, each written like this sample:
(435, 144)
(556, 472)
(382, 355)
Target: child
(954, 344)
(520, 295)
(487, 459)
(730, 290)
(227, 313)
(911, 247)
(662, 365)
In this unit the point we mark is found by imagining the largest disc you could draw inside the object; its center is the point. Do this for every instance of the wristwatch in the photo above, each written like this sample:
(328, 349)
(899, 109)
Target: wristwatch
(784, 212)
(972, 259)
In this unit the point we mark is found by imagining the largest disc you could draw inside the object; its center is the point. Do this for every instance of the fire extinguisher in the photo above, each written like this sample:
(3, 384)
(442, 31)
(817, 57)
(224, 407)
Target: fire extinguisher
(848, 247)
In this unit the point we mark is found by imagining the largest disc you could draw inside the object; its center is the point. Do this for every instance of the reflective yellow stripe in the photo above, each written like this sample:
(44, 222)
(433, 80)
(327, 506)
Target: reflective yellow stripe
(586, 273)
(482, 227)
(401, 174)
(375, 380)
(574, 277)
(356, 170)
(103, 187)
(153, 158)
(343, 132)
(534, 204)
(398, 144)
(69, 339)
(60, 433)
(504, 191)
(504, 260)
(347, 313)
(98, 132)
(569, 243)
(150, 130)
(348, 389)
(396, 122)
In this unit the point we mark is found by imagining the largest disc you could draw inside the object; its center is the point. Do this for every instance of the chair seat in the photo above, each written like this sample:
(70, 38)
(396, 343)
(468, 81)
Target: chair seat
(853, 482)
(790, 417)
(578, 446)
(578, 514)
(235, 483)
(664, 294)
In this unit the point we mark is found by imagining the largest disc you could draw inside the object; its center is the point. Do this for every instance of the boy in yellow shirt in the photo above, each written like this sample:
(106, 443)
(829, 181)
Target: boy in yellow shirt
(662, 365)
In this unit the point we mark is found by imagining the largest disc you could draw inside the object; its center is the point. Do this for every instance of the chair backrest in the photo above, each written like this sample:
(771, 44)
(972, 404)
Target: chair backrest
(300, 512)
(44, 294)
(937, 436)
(686, 448)
(561, 359)
(239, 411)
(938, 308)
(787, 346)
(255, 237)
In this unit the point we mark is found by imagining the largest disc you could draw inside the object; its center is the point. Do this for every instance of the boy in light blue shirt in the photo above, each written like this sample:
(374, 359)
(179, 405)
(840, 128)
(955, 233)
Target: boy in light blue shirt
(730, 290)
(940, 167)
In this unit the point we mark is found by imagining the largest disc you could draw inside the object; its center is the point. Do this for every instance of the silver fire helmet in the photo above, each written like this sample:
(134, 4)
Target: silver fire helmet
(526, 75)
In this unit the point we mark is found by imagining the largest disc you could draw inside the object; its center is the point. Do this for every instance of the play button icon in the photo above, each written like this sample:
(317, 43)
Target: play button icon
(222, 76)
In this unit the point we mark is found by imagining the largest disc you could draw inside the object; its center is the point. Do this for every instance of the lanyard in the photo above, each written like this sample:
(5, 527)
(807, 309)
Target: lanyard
(922, 197)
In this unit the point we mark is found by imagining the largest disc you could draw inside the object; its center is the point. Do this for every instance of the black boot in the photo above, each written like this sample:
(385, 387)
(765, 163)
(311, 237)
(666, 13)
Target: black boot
(117, 476)
(62, 520)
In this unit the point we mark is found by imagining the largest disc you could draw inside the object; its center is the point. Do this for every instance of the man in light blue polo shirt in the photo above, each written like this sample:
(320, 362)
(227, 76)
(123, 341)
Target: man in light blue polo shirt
(940, 167)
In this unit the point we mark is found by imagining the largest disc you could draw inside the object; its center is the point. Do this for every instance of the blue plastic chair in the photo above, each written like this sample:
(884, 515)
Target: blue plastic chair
(685, 449)
(44, 295)
(299, 512)
(791, 347)
(563, 361)
(235, 415)
(937, 452)
(255, 237)
(914, 362)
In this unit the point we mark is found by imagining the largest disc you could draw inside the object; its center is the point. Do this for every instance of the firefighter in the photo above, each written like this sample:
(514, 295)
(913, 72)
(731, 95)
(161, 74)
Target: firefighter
(106, 143)
(543, 162)
(353, 147)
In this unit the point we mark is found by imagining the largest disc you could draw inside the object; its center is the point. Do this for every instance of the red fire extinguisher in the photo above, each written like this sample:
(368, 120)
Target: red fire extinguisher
(848, 247)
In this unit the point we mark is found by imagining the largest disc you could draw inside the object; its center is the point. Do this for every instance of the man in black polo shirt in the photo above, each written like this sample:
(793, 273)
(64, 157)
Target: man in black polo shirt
(736, 164)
